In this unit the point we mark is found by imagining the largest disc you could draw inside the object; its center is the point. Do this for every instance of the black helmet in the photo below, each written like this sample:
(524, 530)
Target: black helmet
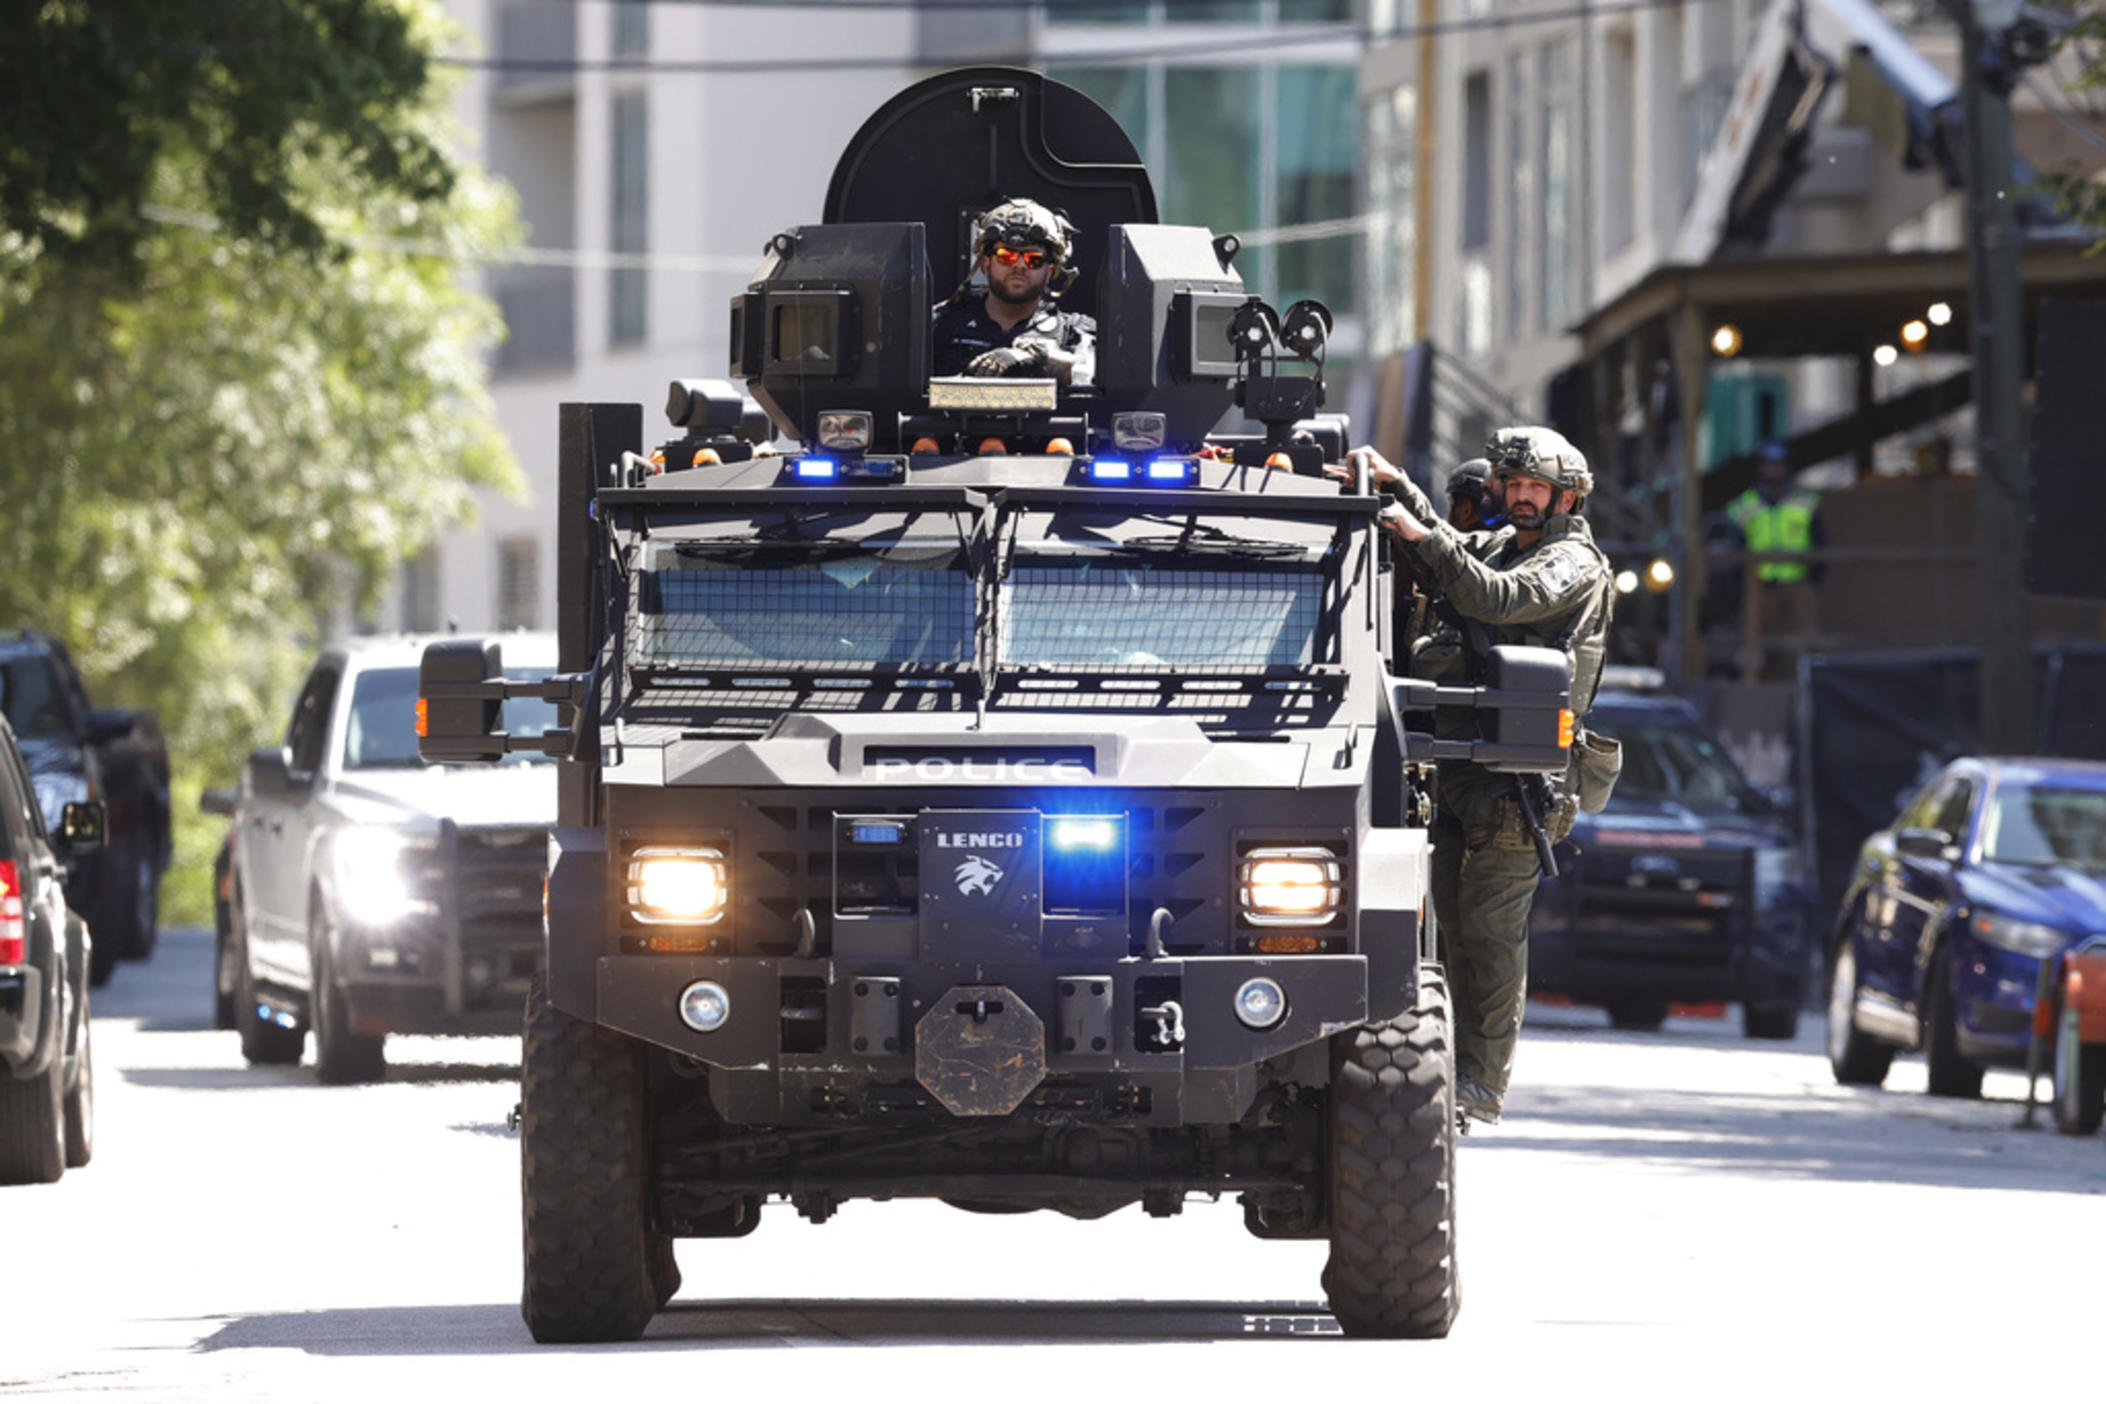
(1471, 479)
(1026, 224)
(1544, 454)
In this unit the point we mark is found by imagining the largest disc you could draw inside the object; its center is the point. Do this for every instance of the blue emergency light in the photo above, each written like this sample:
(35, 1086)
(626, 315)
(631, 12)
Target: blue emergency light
(818, 469)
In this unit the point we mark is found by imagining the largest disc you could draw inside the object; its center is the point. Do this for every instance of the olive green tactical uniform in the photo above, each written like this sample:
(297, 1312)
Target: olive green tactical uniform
(1485, 869)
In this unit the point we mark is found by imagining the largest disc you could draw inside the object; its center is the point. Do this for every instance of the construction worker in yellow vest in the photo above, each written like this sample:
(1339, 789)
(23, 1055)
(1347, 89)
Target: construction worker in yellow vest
(1774, 515)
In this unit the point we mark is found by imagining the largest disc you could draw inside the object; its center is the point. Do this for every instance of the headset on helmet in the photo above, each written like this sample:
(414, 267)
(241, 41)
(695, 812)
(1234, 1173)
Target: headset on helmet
(1543, 454)
(1026, 224)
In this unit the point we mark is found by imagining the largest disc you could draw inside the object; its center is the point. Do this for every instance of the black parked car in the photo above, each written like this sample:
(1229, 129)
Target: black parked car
(1687, 888)
(77, 752)
(47, 1077)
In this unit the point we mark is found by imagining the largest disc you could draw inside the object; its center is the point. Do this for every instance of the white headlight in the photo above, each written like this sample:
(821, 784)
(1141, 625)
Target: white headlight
(2028, 938)
(704, 1006)
(372, 885)
(1290, 886)
(1261, 1003)
(671, 886)
(844, 431)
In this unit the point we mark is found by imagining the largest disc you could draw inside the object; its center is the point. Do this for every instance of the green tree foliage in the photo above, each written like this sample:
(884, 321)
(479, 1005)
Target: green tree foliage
(240, 376)
(2073, 86)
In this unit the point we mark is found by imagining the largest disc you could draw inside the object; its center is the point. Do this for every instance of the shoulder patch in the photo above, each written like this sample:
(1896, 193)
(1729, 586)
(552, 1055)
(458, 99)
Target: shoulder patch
(1560, 572)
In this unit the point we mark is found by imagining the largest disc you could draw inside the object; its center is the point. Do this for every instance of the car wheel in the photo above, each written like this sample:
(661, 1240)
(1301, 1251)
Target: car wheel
(33, 1127)
(102, 958)
(1857, 1059)
(1392, 1270)
(225, 979)
(263, 1041)
(142, 916)
(2080, 1078)
(80, 1101)
(1950, 1074)
(1771, 1021)
(1637, 1015)
(595, 1270)
(341, 1055)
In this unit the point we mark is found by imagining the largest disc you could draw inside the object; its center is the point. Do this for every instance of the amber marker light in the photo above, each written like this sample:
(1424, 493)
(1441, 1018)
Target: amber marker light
(1566, 724)
(423, 718)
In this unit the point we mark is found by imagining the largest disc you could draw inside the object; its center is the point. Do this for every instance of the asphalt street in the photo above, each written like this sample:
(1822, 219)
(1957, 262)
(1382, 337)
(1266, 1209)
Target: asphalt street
(1684, 1215)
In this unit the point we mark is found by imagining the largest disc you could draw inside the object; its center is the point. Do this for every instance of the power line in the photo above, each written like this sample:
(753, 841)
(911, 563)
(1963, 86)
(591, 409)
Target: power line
(1239, 44)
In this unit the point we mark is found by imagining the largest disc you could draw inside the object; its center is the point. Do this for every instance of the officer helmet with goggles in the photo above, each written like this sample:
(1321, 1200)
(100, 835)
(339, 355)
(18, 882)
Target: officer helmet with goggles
(1542, 454)
(1026, 226)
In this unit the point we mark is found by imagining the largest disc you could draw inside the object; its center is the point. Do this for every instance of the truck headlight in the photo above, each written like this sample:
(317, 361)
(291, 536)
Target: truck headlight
(678, 886)
(1290, 886)
(1776, 871)
(2028, 938)
(373, 882)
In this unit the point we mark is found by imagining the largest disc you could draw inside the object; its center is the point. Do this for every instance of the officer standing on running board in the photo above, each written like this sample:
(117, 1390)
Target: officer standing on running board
(1026, 253)
(1541, 581)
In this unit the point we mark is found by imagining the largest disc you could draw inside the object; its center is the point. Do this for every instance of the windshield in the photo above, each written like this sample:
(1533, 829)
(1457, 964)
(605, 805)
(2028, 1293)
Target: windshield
(704, 605)
(1120, 611)
(1672, 762)
(29, 690)
(2040, 825)
(381, 732)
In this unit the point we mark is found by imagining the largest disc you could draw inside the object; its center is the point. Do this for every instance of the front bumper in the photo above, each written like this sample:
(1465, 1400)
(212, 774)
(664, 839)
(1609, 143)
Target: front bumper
(1623, 945)
(1995, 990)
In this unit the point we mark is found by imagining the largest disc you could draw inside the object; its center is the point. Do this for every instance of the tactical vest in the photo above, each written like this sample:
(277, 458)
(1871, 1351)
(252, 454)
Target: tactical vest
(1785, 526)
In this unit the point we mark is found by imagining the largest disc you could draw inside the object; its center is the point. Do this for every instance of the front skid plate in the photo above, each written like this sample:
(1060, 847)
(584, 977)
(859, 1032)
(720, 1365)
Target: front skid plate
(772, 1001)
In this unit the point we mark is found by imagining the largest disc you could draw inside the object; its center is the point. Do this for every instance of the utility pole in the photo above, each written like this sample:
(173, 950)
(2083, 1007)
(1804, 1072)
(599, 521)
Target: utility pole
(1997, 324)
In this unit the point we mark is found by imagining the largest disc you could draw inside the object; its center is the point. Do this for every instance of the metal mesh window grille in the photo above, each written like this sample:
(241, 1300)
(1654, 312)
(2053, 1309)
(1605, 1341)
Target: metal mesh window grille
(1111, 615)
(850, 610)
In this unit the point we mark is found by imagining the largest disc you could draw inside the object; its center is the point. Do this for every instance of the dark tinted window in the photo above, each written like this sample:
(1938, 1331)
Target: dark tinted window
(1670, 760)
(1953, 807)
(310, 724)
(34, 696)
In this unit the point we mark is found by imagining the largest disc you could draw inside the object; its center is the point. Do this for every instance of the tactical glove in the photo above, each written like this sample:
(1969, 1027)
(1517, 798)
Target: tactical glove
(1009, 360)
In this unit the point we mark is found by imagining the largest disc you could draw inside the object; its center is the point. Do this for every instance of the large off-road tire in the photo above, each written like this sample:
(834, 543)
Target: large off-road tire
(1950, 1075)
(262, 1041)
(1856, 1058)
(342, 1056)
(80, 1099)
(1392, 1270)
(1637, 1015)
(2080, 1078)
(594, 1267)
(33, 1127)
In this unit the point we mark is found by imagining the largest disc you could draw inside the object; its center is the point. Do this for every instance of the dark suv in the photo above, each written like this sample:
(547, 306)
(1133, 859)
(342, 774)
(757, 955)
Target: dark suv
(77, 752)
(47, 1080)
(1686, 888)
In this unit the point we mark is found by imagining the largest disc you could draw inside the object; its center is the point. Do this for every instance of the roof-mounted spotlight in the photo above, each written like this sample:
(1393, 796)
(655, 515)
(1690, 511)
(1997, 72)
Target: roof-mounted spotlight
(1305, 329)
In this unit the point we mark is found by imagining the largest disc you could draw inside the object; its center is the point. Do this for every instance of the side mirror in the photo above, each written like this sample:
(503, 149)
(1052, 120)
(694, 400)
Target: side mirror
(107, 724)
(81, 826)
(1922, 843)
(220, 802)
(269, 773)
(460, 702)
(1524, 712)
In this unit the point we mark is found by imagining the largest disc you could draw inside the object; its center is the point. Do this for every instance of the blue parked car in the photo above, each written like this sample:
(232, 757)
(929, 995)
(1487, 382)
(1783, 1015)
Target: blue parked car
(1687, 888)
(1994, 867)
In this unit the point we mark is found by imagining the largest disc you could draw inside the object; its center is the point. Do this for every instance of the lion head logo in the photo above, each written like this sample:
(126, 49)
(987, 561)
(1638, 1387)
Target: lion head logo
(976, 876)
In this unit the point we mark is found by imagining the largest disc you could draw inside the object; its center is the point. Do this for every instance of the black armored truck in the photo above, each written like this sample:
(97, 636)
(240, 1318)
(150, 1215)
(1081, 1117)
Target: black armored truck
(1000, 793)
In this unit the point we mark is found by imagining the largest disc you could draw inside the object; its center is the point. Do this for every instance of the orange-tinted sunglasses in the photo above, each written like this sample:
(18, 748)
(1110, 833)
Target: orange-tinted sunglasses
(1008, 257)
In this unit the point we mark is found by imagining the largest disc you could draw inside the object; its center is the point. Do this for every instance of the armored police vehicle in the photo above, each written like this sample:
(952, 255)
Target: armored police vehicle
(1003, 795)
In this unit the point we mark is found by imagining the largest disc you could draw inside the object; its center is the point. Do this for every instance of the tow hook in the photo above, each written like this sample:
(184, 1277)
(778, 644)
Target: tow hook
(1169, 1017)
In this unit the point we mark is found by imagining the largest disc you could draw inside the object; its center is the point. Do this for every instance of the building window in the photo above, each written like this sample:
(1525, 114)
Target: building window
(1317, 147)
(1521, 196)
(632, 31)
(518, 582)
(420, 592)
(1392, 245)
(627, 309)
(1619, 215)
(1555, 234)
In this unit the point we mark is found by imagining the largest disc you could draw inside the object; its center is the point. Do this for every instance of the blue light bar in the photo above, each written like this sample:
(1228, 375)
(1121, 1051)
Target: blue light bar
(1092, 835)
(817, 468)
(1110, 470)
(1169, 469)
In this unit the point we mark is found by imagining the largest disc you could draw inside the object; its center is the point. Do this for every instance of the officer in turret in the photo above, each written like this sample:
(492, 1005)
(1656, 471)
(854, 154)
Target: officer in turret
(1026, 253)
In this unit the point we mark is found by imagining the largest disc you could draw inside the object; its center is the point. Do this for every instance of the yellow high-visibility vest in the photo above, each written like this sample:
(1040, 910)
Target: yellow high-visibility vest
(1786, 525)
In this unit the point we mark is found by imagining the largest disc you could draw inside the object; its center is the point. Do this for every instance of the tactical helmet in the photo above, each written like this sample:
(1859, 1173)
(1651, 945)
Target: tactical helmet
(1027, 224)
(1471, 479)
(1543, 454)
